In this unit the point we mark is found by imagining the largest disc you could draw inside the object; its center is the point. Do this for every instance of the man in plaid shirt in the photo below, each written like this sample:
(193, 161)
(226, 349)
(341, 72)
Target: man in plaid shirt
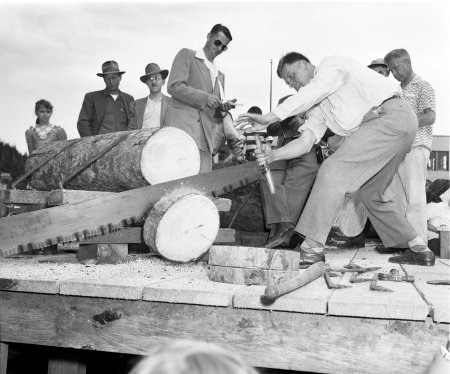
(420, 95)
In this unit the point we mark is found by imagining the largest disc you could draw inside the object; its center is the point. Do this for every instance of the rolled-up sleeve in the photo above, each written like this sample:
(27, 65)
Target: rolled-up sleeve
(329, 77)
(315, 123)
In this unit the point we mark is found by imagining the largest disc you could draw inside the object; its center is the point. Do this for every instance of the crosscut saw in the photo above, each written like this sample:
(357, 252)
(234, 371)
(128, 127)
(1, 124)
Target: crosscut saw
(83, 220)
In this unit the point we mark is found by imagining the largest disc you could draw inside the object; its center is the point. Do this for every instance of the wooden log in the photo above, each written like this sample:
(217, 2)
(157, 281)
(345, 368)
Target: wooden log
(252, 257)
(248, 276)
(182, 225)
(143, 157)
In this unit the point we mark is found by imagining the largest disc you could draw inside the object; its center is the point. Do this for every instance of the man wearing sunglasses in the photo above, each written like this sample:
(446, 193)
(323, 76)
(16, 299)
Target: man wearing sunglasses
(150, 112)
(197, 89)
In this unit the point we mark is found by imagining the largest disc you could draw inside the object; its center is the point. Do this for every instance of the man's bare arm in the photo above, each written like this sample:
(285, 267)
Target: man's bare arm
(428, 117)
(295, 148)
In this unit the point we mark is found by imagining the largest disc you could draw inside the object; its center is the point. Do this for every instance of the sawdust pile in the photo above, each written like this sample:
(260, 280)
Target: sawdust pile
(58, 268)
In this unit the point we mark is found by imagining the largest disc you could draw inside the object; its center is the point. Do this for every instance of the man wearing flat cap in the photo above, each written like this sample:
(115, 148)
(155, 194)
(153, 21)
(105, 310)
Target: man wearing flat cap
(150, 112)
(107, 110)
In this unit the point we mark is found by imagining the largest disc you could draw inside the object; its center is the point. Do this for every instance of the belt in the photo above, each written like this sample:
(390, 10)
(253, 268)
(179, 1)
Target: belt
(390, 98)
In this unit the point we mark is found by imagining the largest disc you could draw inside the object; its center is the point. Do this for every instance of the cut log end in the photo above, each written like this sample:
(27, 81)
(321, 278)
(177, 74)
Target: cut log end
(169, 154)
(182, 229)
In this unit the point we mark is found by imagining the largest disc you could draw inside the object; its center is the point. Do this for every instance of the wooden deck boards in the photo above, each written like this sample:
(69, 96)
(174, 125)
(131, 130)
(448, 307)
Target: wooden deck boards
(407, 302)
(362, 331)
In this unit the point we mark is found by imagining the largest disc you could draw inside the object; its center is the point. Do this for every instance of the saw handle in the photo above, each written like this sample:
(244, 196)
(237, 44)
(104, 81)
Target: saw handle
(313, 272)
(267, 170)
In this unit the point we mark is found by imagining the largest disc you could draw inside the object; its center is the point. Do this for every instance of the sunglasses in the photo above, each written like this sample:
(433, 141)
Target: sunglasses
(218, 43)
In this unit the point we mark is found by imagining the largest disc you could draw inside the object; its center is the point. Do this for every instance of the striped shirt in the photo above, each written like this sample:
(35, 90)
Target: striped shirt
(420, 95)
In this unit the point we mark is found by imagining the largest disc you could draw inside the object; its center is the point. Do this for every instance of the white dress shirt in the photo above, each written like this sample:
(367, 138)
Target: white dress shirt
(152, 113)
(213, 70)
(340, 94)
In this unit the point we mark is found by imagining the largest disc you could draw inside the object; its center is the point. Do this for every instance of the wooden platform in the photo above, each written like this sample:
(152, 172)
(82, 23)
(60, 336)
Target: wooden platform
(314, 329)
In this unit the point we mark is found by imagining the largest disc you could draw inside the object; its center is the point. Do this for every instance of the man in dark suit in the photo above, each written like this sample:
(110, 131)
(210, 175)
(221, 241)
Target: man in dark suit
(150, 112)
(197, 89)
(107, 110)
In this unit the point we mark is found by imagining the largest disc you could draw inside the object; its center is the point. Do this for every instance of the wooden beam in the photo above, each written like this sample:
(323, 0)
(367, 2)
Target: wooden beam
(264, 338)
(60, 197)
(130, 235)
(3, 358)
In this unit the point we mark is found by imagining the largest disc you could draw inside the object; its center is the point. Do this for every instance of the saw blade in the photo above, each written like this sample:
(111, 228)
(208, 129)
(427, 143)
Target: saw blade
(78, 221)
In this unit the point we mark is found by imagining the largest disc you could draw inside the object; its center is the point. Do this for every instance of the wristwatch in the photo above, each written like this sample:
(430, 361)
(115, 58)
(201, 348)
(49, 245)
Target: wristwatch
(445, 353)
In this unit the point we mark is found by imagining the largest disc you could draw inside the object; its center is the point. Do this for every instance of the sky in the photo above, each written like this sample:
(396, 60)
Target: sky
(53, 50)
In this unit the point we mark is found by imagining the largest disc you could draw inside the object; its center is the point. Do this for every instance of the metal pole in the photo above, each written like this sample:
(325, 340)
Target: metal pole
(270, 101)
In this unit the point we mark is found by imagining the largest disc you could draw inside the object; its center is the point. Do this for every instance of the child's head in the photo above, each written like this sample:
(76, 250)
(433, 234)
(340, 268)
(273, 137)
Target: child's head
(43, 110)
(192, 357)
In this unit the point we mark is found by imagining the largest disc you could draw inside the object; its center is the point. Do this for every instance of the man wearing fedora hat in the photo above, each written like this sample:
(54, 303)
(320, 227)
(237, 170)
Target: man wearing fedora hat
(379, 66)
(150, 112)
(107, 110)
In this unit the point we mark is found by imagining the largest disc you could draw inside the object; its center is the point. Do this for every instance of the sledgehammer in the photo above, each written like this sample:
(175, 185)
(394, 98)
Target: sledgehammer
(313, 272)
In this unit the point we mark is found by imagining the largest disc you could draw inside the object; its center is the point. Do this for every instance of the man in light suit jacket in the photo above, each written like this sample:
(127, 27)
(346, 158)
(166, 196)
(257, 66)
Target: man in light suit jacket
(196, 87)
(150, 112)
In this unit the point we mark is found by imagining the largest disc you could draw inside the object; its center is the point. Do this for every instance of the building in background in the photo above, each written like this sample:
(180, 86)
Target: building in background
(438, 162)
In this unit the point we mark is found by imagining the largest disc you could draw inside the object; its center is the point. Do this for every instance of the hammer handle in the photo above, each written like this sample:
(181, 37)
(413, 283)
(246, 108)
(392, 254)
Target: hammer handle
(313, 272)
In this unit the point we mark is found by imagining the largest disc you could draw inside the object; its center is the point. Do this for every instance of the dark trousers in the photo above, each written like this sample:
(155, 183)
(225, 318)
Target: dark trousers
(293, 181)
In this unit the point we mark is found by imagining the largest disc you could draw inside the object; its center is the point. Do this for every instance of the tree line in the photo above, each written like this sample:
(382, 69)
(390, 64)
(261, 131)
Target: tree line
(11, 160)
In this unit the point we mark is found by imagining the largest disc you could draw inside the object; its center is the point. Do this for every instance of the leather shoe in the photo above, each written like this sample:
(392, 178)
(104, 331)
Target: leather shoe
(425, 258)
(382, 249)
(307, 258)
(355, 242)
(282, 235)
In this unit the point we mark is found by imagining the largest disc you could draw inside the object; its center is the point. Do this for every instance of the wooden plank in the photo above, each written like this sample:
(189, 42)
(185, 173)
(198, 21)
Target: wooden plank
(311, 298)
(3, 358)
(254, 257)
(404, 303)
(128, 289)
(129, 235)
(225, 274)
(23, 197)
(437, 296)
(29, 285)
(226, 236)
(190, 290)
(60, 197)
(284, 340)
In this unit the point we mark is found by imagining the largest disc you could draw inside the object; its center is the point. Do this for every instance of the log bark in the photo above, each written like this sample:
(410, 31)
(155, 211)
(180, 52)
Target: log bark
(182, 226)
(143, 157)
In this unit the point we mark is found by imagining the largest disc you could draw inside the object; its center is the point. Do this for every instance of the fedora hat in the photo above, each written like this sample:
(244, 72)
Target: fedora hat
(110, 67)
(151, 69)
(377, 62)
